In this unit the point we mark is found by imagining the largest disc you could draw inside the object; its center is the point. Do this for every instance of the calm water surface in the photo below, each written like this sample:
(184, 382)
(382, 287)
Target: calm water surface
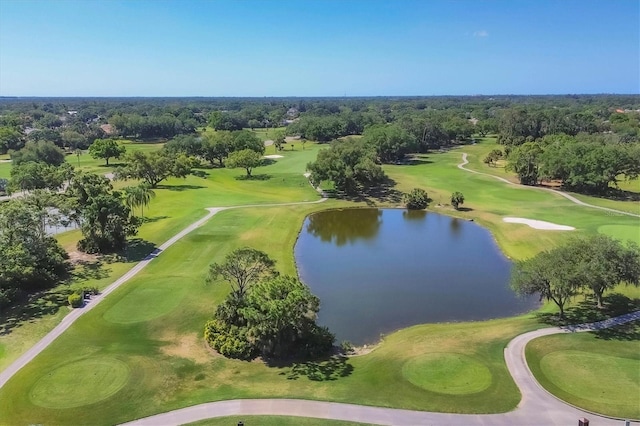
(376, 271)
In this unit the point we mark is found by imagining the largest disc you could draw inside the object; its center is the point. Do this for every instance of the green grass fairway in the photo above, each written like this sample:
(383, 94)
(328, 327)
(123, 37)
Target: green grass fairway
(447, 373)
(621, 232)
(154, 323)
(272, 421)
(596, 371)
(136, 307)
(80, 383)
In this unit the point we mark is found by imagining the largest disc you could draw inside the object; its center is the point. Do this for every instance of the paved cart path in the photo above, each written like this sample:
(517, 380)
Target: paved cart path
(66, 322)
(537, 407)
(571, 198)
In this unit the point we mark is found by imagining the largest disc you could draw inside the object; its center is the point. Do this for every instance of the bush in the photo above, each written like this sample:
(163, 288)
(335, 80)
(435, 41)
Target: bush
(229, 341)
(417, 199)
(90, 290)
(75, 300)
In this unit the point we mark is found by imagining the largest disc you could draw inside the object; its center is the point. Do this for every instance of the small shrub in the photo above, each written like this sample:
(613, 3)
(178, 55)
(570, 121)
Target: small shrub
(229, 341)
(457, 199)
(75, 300)
(346, 347)
(90, 290)
(417, 199)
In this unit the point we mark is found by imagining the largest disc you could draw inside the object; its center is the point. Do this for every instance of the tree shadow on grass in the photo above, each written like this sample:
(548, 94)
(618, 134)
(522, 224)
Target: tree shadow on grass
(465, 209)
(153, 219)
(111, 165)
(139, 249)
(372, 197)
(254, 177)
(32, 308)
(180, 188)
(89, 271)
(326, 369)
(625, 332)
(586, 310)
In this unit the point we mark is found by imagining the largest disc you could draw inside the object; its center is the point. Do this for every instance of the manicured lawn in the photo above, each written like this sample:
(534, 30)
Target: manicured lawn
(596, 371)
(271, 421)
(153, 324)
(178, 203)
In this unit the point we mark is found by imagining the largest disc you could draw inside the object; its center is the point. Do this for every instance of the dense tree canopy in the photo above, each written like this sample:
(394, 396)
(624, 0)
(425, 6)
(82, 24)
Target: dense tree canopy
(29, 258)
(350, 165)
(38, 152)
(390, 142)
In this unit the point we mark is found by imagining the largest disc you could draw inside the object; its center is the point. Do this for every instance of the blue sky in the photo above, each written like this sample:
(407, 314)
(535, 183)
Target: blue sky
(318, 48)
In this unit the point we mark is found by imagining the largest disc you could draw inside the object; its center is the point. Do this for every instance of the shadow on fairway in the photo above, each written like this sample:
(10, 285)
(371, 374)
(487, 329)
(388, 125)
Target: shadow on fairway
(153, 219)
(138, 249)
(254, 177)
(36, 306)
(372, 197)
(327, 369)
(180, 188)
(586, 311)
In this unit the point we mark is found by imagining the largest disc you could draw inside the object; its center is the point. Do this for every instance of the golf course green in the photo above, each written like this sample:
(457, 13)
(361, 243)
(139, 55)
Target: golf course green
(141, 351)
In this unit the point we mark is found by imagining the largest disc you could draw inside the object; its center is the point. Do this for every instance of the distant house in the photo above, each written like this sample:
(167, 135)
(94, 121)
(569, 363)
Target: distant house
(72, 112)
(107, 128)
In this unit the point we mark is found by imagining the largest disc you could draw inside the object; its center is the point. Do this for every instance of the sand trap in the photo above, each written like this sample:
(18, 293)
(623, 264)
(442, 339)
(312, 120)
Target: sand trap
(538, 224)
(306, 174)
(273, 156)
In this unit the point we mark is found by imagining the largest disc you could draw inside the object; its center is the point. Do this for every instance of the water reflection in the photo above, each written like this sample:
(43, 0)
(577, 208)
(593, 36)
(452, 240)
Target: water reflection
(402, 268)
(345, 226)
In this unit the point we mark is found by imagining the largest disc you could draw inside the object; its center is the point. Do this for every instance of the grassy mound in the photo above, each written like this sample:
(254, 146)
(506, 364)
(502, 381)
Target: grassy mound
(80, 383)
(448, 373)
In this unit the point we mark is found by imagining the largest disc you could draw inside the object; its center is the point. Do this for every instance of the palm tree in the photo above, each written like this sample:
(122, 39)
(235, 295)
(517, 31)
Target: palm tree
(456, 199)
(131, 197)
(144, 194)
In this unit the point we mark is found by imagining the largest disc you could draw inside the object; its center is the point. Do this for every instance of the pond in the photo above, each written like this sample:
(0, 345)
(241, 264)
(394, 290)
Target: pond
(376, 271)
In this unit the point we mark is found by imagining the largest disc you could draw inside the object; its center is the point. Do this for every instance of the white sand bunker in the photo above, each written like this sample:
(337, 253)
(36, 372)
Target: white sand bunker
(538, 224)
(306, 175)
(273, 156)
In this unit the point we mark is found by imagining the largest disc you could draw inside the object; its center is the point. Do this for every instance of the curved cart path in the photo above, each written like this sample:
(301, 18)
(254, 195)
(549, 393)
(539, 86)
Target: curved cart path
(537, 406)
(66, 322)
(563, 194)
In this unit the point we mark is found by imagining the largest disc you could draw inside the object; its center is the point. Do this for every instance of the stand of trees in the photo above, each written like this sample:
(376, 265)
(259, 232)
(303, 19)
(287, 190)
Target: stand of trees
(349, 164)
(265, 314)
(593, 264)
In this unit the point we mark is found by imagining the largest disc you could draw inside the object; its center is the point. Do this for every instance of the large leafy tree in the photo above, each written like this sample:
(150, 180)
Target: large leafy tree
(154, 167)
(33, 175)
(601, 263)
(29, 258)
(244, 139)
(39, 152)
(10, 138)
(390, 141)
(105, 220)
(524, 161)
(217, 146)
(281, 314)
(549, 274)
(349, 164)
(106, 149)
(242, 268)
(246, 159)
